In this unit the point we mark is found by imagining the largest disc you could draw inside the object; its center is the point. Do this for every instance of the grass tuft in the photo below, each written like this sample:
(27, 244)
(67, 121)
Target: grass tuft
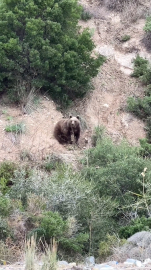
(49, 259)
(16, 128)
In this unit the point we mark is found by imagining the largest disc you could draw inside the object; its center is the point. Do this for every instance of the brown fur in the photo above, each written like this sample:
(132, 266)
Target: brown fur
(65, 128)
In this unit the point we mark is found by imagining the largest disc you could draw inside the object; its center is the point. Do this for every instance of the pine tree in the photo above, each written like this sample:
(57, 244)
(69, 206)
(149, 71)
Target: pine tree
(41, 46)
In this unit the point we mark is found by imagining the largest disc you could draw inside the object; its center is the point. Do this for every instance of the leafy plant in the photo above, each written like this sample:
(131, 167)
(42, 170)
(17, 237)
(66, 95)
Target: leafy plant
(125, 38)
(98, 135)
(85, 15)
(147, 27)
(4, 229)
(53, 225)
(141, 107)
(116, 172)
(74, 244)
(140, 67)
(5, 205)
(7, 170)
(145, 148)
(52, 162)
(136, 225)
(17, 128)
(106, 247)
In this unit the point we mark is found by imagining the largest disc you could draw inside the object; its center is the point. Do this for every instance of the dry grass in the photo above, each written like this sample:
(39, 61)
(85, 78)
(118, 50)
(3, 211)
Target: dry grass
(30, 254)
(36, 203)
(146, 41)
(49, 259)
(9, 252)
(118, 5)
(132, 12)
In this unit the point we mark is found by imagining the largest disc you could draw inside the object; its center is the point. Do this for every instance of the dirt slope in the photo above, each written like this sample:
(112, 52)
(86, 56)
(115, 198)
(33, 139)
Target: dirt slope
(104, 106)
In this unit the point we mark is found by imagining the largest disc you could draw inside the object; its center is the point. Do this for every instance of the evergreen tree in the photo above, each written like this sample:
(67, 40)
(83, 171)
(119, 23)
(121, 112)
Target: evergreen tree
(41, 46)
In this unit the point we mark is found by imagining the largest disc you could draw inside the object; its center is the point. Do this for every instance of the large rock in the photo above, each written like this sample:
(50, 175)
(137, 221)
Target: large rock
(138, 246)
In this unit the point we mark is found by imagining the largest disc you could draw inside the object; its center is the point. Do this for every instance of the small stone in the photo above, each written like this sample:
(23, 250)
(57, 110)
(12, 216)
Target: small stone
(72, 264)
(90, 261)
(148, 260)
(86, 140)
(62, 263)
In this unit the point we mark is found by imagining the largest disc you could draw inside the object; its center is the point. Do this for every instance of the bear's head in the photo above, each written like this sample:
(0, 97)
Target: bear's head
(74, 121)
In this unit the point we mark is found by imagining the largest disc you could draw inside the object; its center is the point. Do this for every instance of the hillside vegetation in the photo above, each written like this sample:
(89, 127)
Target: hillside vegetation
(88, 198)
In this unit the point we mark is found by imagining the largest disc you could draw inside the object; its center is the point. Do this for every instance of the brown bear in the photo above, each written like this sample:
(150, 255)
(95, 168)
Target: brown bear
(65, 128)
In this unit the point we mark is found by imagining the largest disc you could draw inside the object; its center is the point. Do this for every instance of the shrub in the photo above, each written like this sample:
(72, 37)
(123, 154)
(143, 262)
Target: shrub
(60, 58)
(147, 27)
(50, 224)
(69, 194)
(137, 225)
(36, 204)
(140, 67)
(98, 135)
(74, 244)
(5, 205)
(7, 171)
(106, 247)
(116, 172)
(9, 253)
(125, 38)
(4, 229)
(140, 107)
(85, 15)
(145, 148)
(52, 162)
(53, 225)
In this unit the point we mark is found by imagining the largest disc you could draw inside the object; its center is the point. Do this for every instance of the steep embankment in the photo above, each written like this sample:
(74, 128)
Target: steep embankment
(104, 106)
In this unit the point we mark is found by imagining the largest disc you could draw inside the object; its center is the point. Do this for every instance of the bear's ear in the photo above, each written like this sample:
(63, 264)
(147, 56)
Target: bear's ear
(70, 116)
(78, 117)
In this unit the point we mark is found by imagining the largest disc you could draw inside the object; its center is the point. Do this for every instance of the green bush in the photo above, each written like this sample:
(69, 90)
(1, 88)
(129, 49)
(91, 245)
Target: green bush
(147, 27)
(51, 225)
(116, 172)
(125, 38)
(98, 135)
(41, 47)
(85, 15)
(106, 247)
(140, 67)
(7, 170)
(74, 244)
(145, 148)
(5, 205)
(140, 107)
(137, 225)
(4, 229)
(52, 162)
